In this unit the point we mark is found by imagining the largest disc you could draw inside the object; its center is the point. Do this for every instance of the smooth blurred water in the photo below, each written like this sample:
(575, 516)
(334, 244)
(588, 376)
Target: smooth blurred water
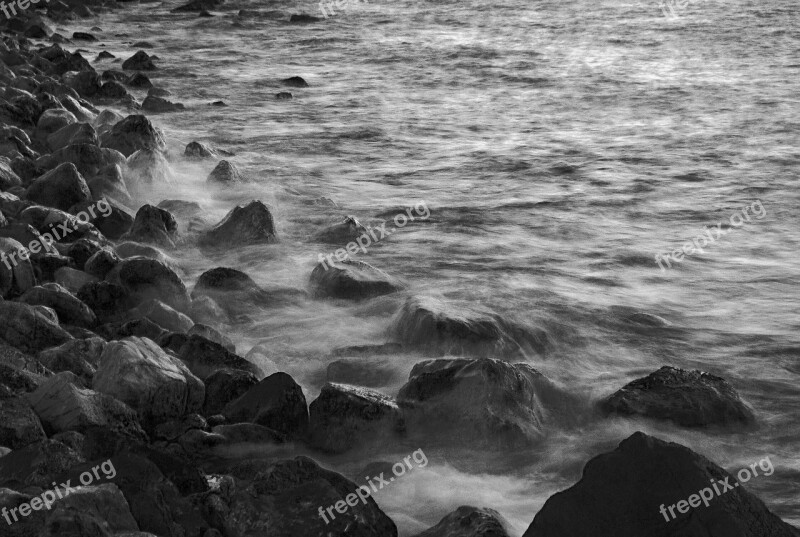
(560, 146)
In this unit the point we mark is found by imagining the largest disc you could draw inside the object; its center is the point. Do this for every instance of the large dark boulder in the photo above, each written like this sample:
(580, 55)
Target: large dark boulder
(30, 328)
(70, 310)
(79, 356)
(244, 225)
(225, 173)
(153, 225)
(352, 280)
(61, 188)
(629, 493)
(37, 464)
(276, 402)
(74, 133)
(107, 300)
(224, 386)
(148, 278)
(469, 521)
(19, 425)
(345, 416)
(204, 357)
(139, 62)
(689, 398)
(133, 133)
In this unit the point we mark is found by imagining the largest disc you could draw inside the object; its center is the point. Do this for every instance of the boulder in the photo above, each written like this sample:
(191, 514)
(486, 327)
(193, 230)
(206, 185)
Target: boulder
(112, 90)
(197, 150)
(61, 188)
(72, 279)
(224, 386)
(485, 402)
(133, 133)
(37, 464)
(352, 280)
(19, 425)
(89, 159)
(98, 509)
(85, 83)
(147, 278)
(276, 402)
(107, 300)
(295, 82)
(81, 109)
(616, 497)
(139, 373)
(109, 182)
(689, 398)
(199, 5)
(248, 433)
(469, 521)
(139, 80)
(15, 278)
(225, 172)
(79, 356)
(147, 167)
(101, 262)
(345, 416)
(346, 231)
(204, 357)
(8, 177)
(64, 406)
(70, 310)
(30, 328)
(153, 225)
(230, 288)
(244, 225)
(162, 315)
(214, 335)
(114, 222)
(74, 133)
(139, 62)
(155, 104)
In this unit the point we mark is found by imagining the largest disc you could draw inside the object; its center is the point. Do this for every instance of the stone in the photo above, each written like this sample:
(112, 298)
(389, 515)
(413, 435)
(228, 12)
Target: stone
(61, 188)
(133, 133)
(19, 425)
(276, 402)
(244, 225)
(352, 280)
(30, 328)
(467, 521)
(70, 310)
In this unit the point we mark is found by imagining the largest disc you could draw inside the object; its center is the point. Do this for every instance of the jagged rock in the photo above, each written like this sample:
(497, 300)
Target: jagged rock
(224, 386)
(63, 406)
(133, 133)
(139, 80)
(345, 416)
(19, 425)
(61, 188)
(616, 498)
(139, 373)
(197, 150)
(484, 402)
(153, 225)
(30, 328)
(139, 62)
(352, 280)
(79, 356)
(147, 278)
(250, 224)
(70, 310)
(162, 315)
(689, 398)
(295, 82)
(204, 357)
(15, 278)
(276, 402)
(225, 172)
(469, 521)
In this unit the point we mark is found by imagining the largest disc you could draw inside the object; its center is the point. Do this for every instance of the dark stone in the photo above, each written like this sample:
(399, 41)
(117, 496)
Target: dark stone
(295, 82)
(224, 386)
(469, 521)
(133, 133)
(155, 226)
(197, 150)
(276, 402)
(244, 225)
(225, 173)
(352, 280)
(139, 62)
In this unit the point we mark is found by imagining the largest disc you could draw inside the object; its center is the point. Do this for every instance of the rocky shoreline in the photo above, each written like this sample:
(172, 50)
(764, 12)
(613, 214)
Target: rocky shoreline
(107, 353)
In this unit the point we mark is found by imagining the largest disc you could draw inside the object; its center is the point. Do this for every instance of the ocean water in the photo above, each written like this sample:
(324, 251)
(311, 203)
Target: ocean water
(559, 145)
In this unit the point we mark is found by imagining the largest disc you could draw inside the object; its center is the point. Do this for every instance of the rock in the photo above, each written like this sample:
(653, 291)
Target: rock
(127, 250)
(79, 356)
(153, 225)
(115, 221)
(214, 335)
(15, 278)
(133, 133)
(8, 178)
(112, 90)
(349, 230)
(139, 80)
(198, 5)
(80, 108)
(155, 104)
(83, 36)
(469, 521)
(61, 188)
(144, 328)
(53, 120)
(229, 287)
(204, 357)
(99, 509)
(87, 158)
(345, 416)
(303, 18)
(106, 299)
(74, 133)
(224, 386)
(70, 310)
(172, 430)
(197, 150)
(30, 328)
(370, 371)
(689, 398)
(276, 402)
(244, 225)
(36, 464)
(139, 373)
(147, 278)
(139, 62)
(438, 328)
(159, 92)
(19, 425)
(162, 315)
(281, 95)
(145, 168)
(295, 82)
(101, 263)
(241, 433)
(267, 503)
(483, 402)
(225, 172)
(63, 406)
(104, 55)
(85, 83)
(617, 484)
(73, 280)
(352, 280)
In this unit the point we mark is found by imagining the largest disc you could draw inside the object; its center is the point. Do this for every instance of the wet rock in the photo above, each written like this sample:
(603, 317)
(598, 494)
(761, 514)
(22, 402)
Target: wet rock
(72, 279)
(143, 328)
(303, 18)
(153, 225)
(295, 82)
(112, 90)
(15, 278)
(8, 178)
(104, 55)
(204, 357)
(140, 61)
(78, 356)
(616, 484)
(83, 36)
(224, 386)
(101, 263)
(19, 425)
(139, 80)
(214, 335)
(159, 92)
(70, 310)
(61, 188)
(244, 225)
(63, 405)
(127, 250)
(50, 221)
(276, 402)
(139, 373)
(218, 103)
(106, 299)
(87, 158)
(162, 315)
(689, 398)
(145, 168)
(85, 83)
(352, 280)
(225, 172)
(348, 230)
(133, 133)
(99, 509)
(37, 464)
(30, 328)
(345, 416)
(281, 95)
(484, 402)
(172, 430)
(197, 150)
(80, 109)
(371, 371)
(198, 5)
(74, 133)
(147, 278)
(469, 521)
(114, 221)
(155, 104)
